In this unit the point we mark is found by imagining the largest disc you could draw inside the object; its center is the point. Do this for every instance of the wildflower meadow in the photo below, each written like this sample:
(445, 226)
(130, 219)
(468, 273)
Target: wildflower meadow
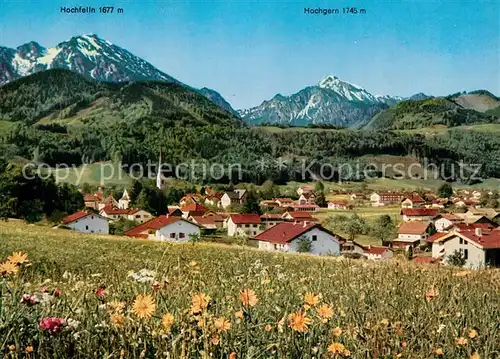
(68, 295)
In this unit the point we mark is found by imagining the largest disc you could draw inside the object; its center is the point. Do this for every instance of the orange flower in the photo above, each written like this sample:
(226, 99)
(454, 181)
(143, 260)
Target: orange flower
(325, 311)
(167, 321)
(118, 320)
(267, 328)
(18, 258)
(222, 324)
(475, 355)
(336, 348)
(347, 353)
(337, 332)
(215, 340)
(239, 314)
(248, 298)
(199, 302)
(232, 355)
(298, 321)
(461, 341)
(311, 299)
(144, 306)
(29, 349)
(438, 351)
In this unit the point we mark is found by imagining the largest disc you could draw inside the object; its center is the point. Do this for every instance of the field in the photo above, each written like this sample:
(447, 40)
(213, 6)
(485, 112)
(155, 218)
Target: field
(213, 301)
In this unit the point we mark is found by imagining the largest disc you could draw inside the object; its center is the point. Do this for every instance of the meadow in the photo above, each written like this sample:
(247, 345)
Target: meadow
(86, 296)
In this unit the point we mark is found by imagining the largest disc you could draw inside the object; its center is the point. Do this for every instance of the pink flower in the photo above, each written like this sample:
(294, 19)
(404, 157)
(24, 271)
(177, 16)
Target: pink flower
(52, 324)
(30, 299)
(156, 286)
(56, 293)
(100, 292)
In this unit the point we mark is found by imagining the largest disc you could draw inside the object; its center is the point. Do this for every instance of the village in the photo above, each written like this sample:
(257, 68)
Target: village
(427, 229)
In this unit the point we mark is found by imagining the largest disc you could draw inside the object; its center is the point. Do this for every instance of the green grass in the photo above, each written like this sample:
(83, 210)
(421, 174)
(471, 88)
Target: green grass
(380, 308)
(102, 173)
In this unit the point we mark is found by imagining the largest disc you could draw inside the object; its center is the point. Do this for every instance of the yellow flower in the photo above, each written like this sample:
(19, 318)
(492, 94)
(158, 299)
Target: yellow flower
(325, 311)
(248, 297)
(310, 299)
(461, 341)
(438, 351)
(336, 348)
(239, 314)
(167, 321)
(337, 332)
(267, 328)
(118, 320)
(18, 258)
(144, 306)
(116, 306)
(347, 353)
(298, 321)
(222, 324)
(475, 355)
(7, 268)
(472, 333)
(29, 349)
(199, 302)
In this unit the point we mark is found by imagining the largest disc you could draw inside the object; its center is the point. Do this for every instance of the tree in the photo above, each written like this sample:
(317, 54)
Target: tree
(319, 187)
(384, 228)
(252, 203)
(445, 190)
(304, 244)
(456, 259)
(320, 199)
(134, 191)
(355, 226)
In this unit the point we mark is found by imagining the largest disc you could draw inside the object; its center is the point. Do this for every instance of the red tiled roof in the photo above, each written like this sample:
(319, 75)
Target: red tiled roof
(415, 198)
(75, 216)
(472, 226)
(91, 198)
(113, 210)
(488, 239)
(436, 236)
(306, 188)
(340, 203)
(300, 215)
(284, 232)
(416, 227)
(379, 250)
(204, 221)
(272, 216)
(287, 200)
(245, 218)
(153, 224)
(194, 207)
(419, 212)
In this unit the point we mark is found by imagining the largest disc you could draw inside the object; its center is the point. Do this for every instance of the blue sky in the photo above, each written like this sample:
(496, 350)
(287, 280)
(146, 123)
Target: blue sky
(251, 50)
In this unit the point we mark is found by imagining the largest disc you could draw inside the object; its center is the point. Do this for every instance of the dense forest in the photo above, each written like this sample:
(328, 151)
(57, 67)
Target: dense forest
(60, 117)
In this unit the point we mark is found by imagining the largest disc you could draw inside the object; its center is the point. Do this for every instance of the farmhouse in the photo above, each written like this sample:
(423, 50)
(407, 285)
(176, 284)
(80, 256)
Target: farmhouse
(379, 199)
(418, 214)
(287, 237)
(271, 219)
(445, 221)
(87, 222)
(478, 248)
(193, 209)
(307, 198)
(297, 216)
(131, 214)
(243, 225)
(236, 197)
(165, 228)
(337, 205)
(303, 207)
(305, 189)
(378, 253)
(413, 201)
(206, 223)
(412, 233)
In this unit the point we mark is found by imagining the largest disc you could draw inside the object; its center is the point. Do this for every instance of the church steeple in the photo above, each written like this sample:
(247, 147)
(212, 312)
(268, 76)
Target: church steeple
(159, 176)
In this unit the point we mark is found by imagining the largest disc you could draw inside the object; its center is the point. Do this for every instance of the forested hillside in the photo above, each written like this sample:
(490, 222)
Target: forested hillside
(59, 117)
(455, 110)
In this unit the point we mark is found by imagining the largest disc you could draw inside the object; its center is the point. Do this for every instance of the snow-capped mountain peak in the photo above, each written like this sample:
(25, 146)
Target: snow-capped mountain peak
(349, 91)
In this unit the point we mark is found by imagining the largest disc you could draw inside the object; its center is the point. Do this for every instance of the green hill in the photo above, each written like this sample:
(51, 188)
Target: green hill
(67, 98)
(455, 110)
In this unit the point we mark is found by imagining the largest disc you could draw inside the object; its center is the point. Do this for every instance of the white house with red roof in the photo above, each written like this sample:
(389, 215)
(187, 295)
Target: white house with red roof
(286, 237)
(337, 205)
(131, 214)
(378, 253)
(87, 222)
(413, 201)
(297, 216)
(479, 247)
(418, 214)
(243, 225)
(445, 221)
(165, 228)
(305, 189)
